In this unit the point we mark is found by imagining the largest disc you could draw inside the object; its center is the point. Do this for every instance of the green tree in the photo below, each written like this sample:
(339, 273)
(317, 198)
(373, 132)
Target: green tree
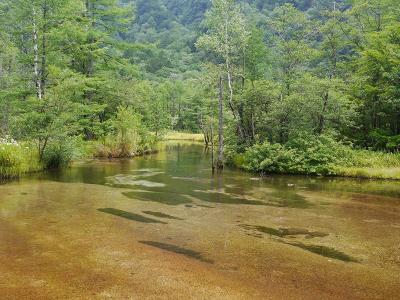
(226, 38)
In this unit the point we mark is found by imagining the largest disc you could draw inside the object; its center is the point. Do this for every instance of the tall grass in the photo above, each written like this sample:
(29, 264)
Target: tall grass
(183, 136)
(111, 147)
(370, 164)
(16, 159)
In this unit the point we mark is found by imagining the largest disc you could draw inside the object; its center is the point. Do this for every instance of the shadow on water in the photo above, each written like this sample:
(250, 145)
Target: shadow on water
(160, 197)
(294, 232)
(161, 215)
(129, 216)
(324, 251)
(287, 198)
(178, 250)
(283, 232)
(215, 197)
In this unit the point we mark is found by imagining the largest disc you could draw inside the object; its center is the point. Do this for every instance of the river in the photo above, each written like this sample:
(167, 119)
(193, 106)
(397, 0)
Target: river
(163, 227)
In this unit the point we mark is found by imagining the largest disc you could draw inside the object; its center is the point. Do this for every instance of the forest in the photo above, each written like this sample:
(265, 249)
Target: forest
(276, 86)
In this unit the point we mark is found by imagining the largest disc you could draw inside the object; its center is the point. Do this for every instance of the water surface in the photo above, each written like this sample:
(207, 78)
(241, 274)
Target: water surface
(164, 226)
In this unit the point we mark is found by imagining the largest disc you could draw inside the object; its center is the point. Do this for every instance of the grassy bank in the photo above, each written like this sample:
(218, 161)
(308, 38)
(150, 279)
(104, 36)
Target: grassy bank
(371, 173)
(321, 156)
(20, 158)
(183, 136)
(370, 164)
(112, 149)
(17, 159)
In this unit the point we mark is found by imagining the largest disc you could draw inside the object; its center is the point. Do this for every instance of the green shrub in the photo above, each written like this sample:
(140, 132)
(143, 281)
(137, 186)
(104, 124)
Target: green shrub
(302, 155)
(317, 155)
(58, 153)
(128, 126)
(272, 158)
(129, 138)
(320, 154)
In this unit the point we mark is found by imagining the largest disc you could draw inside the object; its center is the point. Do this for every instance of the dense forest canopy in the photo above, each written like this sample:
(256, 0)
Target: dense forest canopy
(94, 69)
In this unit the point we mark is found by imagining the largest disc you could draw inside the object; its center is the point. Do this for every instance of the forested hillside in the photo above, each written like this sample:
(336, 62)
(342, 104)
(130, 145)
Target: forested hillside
(271, 78)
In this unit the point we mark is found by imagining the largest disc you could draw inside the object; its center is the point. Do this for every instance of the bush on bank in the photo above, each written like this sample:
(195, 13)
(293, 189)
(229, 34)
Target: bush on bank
(323, 155)
(127, 137)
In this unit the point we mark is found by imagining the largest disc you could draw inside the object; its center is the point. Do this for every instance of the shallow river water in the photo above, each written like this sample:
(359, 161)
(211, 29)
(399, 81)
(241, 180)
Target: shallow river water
(163, 227)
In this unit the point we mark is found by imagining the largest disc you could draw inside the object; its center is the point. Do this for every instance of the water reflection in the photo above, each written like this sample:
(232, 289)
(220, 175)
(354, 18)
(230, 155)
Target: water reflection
(184, 168)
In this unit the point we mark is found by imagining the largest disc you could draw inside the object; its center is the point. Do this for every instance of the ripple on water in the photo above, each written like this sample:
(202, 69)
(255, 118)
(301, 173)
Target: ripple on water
(125, 180)
(146, 170)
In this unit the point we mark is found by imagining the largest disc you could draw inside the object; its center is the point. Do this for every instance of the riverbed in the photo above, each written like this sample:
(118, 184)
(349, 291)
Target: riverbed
(163, 226)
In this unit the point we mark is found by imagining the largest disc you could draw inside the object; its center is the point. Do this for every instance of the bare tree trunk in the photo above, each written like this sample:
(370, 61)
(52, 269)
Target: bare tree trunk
(253, 126)
(44, 44)
(220, 159)
(321, 124)
(89, 67)
(212, 146)
(36, 55)
(204, 130)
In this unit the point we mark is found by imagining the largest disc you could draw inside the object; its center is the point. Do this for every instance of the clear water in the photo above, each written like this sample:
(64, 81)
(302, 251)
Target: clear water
(165, 225)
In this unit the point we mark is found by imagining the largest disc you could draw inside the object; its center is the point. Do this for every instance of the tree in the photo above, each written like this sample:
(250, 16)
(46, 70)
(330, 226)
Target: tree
(292, 33)
(226, 38)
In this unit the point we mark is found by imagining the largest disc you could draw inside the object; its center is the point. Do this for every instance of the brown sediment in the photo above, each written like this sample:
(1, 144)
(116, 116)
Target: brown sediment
(55, 244)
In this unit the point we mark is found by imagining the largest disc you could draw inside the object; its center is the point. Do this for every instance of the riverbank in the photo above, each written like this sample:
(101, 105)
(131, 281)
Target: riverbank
(370, 173)
(17, 159)
(319, 157)
(183, 136)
